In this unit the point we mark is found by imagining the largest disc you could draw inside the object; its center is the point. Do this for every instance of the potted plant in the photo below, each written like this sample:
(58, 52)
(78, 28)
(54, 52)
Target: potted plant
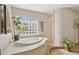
(68, 43)
(18, 26)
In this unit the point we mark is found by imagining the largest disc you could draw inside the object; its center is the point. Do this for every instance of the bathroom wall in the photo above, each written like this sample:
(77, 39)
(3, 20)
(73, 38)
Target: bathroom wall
(68, 30)
(49, 29)
(5, 39)
(58, 26)
(42, 17)
(64, 18)
(53, 28)
(23, 12)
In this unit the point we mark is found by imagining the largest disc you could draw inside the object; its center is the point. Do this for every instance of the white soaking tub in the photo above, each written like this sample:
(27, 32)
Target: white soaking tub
(24, 45)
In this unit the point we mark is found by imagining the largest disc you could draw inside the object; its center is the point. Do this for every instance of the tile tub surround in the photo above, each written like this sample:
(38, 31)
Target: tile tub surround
(4, 41)
(42, 50)
(11, 49)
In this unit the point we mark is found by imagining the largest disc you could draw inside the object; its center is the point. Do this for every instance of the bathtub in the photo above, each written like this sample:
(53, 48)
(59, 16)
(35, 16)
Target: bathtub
(24, 46)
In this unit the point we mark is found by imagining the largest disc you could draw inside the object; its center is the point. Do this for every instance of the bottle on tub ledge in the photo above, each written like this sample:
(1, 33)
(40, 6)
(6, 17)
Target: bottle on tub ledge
(0, 51)
(16, 37)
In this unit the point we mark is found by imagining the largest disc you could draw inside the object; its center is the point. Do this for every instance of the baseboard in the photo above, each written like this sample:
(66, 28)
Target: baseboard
(58, 47)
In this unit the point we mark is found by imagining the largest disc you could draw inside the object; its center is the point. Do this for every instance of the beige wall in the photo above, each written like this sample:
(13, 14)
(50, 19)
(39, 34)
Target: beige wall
(49, 28)
(64, 18)
(22, 12)
(68, 30)
(9, 18)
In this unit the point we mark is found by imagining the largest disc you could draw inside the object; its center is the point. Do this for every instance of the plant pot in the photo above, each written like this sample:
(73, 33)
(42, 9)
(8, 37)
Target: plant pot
(68, 48)
(16, 37)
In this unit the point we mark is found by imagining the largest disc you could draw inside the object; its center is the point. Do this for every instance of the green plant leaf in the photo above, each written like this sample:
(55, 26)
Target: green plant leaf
(18, 24)
(68, 42)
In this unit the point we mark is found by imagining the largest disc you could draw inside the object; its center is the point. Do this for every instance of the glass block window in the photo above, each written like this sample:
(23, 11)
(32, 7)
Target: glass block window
(31, 24)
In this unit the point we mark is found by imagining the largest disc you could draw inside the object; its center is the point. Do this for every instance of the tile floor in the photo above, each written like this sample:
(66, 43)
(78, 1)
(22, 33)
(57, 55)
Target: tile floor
(61, 52)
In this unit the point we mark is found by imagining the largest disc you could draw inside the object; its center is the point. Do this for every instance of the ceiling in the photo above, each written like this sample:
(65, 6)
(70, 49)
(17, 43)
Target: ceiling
(45, 8)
